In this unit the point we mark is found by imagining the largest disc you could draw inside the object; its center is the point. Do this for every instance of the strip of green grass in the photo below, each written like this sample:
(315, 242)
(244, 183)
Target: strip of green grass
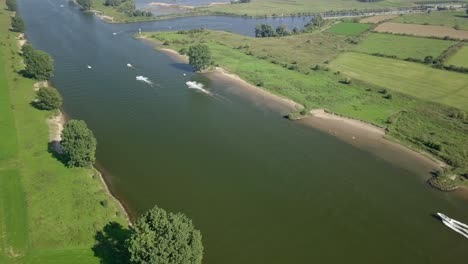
(48, 213)
(349, 28)
(418, 80)
(443, 18)
(403, 46)
(460, 58)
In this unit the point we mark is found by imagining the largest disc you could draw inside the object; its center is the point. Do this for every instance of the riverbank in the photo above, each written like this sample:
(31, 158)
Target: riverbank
(324, 90)
(50, 213)
(356, 132)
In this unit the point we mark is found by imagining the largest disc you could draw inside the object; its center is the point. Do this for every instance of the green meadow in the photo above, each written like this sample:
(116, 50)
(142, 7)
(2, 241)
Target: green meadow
(460, 58)
(440, 18)
(48, 213)
(418, 80)
(349, 28)
(403, 46)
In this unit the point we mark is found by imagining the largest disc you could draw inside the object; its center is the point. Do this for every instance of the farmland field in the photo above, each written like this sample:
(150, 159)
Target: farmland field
(408, 47)
(285, 7)
(349, 29)
(449, 88)
(460, 58)
(421, 30)
(377, 19)
(445, 18)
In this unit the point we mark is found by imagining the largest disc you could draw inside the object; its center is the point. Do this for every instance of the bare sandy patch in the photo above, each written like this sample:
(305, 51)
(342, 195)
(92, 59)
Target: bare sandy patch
(421, 30)
(377, 19)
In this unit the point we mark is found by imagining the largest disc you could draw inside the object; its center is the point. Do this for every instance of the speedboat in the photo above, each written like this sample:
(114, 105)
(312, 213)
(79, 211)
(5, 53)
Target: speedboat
(455, 225)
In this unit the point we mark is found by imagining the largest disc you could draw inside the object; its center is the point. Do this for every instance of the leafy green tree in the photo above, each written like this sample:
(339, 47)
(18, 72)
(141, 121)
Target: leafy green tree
(12, 5)
(78, 144)
(282, 30)
(85, 4)
(159, 237)
(112, 2)
(17, 24)
(264, 31)
(39, 65)
(199, 56)
(48, 98)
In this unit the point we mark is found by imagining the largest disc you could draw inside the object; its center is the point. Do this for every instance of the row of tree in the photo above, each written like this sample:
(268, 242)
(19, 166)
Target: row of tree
(267, 31)
(123, 6)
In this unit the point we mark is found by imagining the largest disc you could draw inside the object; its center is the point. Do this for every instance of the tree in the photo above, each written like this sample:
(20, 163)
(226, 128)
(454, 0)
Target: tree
(39, 65)
(17, 24)
(264, 31)
(159, 237)
(112, 2)
(12, 5)
(48, 98)
(282, 30)
(78, 144)
(199, 56)
(85, 4)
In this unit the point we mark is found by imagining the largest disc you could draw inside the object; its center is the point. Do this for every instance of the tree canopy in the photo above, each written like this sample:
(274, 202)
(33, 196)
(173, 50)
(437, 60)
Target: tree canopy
(159, 237)
(199, 56)
(39, 65)
(12, 5)
(264, 31)
(17, 24)
(78, 144)
(85, 4)
(48, 98)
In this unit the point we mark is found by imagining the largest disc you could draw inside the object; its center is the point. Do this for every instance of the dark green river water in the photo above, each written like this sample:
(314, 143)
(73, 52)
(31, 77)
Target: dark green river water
(261, 189)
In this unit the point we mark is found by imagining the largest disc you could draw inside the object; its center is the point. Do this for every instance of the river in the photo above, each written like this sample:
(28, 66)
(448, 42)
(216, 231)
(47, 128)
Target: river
(260, 188)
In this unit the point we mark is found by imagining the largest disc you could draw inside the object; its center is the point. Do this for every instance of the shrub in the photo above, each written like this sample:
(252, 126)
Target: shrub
(388, 96)
(78, 144)
(183, 51)
(48, 98)
(162, 237)
(12, 5)
(346, 81)
(17, 24)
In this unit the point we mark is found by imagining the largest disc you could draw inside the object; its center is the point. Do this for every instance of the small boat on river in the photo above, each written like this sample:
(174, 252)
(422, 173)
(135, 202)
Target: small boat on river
(455, 225)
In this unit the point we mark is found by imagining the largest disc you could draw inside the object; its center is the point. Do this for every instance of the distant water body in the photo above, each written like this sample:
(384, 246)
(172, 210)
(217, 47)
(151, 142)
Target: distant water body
(261, 189)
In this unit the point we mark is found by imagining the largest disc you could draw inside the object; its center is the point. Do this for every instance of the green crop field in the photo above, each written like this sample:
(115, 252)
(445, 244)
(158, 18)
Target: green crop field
(349, 29)
(460, 58)
(285, 7)
(48, 213)
(442, 18)
(422, 81)
(406, 47)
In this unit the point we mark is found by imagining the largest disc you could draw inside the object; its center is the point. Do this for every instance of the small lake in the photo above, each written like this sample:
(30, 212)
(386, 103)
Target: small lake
(261, 189)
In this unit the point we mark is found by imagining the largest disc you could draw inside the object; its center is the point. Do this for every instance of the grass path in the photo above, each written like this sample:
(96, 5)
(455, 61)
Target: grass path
(48, 213)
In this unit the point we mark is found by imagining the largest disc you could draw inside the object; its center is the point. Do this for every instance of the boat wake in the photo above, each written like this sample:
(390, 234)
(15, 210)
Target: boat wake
(144, 79)
(198, 87)
(455, 225)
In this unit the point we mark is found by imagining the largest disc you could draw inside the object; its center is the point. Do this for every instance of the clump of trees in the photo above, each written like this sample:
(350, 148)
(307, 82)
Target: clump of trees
(39, 65)
(17, 24)
(12, 5)
(85, 4)
(316, 22)
(78, 144)
(162, 237)
(267, 31)
(48, 98)
(199, 56)
(127, 7)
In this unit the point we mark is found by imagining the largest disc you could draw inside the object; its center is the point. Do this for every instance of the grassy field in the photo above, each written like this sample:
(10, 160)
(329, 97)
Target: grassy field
(412, 121)
(443, 18)
(406, 47)
(460, 58)
(421, 30)
(422, 81)
(349, 29)
(285, 7)
(48, 213)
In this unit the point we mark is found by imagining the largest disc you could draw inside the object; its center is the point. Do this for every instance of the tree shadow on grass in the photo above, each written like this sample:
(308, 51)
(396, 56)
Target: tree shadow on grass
(111, 245)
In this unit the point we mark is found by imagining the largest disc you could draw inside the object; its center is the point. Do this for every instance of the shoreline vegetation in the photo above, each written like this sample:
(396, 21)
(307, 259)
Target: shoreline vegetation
(405, 119)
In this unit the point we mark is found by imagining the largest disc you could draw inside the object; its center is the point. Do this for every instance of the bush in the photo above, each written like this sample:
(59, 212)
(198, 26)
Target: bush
(12, 5)
(17, 24)
(48, 98)
(162, 237)
(346, 81)
(388, 96)
(183, 51)
(85, 4)
(78, 144)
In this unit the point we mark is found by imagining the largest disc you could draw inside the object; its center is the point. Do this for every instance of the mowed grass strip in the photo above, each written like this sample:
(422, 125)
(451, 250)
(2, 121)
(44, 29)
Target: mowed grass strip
(445, 87)
(349, 28)
(440, 18)
(460, 58)
(403, 46)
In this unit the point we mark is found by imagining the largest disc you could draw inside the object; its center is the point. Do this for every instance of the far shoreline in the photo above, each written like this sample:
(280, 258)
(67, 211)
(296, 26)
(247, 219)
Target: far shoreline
(358, 133)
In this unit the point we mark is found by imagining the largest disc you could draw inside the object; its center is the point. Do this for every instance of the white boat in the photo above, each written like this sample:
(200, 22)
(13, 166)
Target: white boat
(455, 225)
(144, 79)
(89, 67)
(197, 86)
(129, 65)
